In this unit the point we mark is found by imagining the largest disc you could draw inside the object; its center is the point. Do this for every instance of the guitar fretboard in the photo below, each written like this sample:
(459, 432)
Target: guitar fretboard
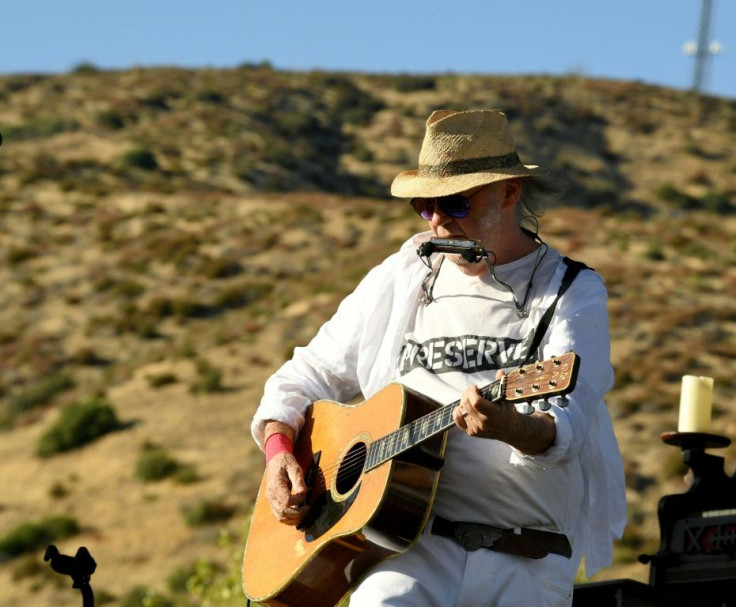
(414, 433)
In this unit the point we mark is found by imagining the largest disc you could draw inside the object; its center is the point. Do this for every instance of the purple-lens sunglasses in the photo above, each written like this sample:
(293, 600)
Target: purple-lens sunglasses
(454, 205)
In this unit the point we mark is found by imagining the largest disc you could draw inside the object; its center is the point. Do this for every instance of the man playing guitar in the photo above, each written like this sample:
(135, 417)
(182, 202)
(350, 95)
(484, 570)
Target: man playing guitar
(521, 496)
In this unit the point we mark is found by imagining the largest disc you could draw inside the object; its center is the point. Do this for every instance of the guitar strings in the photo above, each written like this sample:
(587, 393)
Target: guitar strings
(356, 460)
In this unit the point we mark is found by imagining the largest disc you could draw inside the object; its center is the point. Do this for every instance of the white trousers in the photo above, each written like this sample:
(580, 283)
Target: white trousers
(437, 572)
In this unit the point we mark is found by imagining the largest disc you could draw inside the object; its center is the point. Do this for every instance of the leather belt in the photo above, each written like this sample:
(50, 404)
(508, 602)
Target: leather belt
(530, 543)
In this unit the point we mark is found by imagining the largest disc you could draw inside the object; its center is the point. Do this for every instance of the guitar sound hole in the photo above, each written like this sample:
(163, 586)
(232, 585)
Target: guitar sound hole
(351, 468)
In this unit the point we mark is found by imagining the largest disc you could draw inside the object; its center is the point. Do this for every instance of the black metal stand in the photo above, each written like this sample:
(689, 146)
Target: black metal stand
(80, 567)
(697, 553)
(696, 562)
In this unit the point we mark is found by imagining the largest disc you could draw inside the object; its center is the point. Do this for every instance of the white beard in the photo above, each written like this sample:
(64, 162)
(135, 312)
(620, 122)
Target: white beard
(489, 226)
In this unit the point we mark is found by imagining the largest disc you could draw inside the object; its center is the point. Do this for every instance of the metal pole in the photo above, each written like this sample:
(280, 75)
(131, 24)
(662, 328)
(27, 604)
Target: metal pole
(79, 567)
(702, 53)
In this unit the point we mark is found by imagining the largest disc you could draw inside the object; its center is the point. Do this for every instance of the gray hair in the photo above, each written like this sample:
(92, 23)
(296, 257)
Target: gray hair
(537, 193)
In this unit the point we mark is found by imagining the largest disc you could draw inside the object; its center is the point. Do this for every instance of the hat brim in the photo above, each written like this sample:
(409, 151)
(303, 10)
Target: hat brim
(410, 185)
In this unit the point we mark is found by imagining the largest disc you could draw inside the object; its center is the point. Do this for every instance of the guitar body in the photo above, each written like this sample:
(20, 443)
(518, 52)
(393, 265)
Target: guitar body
(358, 516)
(372, 472)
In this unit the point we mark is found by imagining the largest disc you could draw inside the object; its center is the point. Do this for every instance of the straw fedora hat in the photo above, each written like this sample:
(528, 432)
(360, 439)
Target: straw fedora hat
(463, 150)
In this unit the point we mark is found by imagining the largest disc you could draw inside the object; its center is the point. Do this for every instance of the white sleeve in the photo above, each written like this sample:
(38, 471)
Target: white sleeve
(580, 324)
(327, 368)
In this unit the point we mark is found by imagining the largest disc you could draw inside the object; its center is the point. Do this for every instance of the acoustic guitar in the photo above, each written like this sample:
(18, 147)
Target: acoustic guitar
(371, 471)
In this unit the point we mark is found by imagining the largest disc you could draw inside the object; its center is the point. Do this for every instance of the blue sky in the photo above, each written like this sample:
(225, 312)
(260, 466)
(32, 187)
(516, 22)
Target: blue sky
(622, 39)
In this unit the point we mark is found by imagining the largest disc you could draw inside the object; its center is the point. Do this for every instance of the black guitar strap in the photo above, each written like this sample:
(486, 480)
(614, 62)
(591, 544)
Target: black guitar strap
(573, 269)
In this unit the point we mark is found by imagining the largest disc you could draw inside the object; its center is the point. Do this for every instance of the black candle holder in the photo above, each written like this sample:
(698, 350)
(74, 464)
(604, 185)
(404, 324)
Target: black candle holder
(698, 527)
(695, 440)
(696, 562)
(711, 487)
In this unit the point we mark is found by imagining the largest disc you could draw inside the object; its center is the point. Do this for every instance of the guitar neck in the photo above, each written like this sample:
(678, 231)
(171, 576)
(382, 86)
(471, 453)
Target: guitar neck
(416, 432)
(541, 380)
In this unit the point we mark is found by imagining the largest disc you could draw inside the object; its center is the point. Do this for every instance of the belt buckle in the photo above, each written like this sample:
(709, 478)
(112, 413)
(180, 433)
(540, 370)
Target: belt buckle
(472, 536)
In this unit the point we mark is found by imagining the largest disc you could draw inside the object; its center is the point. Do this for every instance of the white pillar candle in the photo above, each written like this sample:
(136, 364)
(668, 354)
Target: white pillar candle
(695, 404)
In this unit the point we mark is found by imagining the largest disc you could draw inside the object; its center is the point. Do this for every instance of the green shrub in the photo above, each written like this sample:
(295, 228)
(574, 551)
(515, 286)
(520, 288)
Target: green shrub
(18, 254)
(159, 307)
(196, 578)
(205, 512)
(695, 149)
(40, 393)
(220, 267)
(85, 67)
(211, 96)
(6, 420)
(30, 567)
(361, 151)
(186, 474)
(79, 424)
(87, 356)
(354, 104)
(40, 127)
(58, 490)
(111, 119)
(178, 580)
(185, 308)
(28, 537)
(407, 83)
(239, 296)
(144, 597)
(209, 379)
(654, 252)
(716, 202)
(600, 192)
(155, 464)
(158, 380)
(132, 320)
(139, 158)
(129, 288)
(669, 193)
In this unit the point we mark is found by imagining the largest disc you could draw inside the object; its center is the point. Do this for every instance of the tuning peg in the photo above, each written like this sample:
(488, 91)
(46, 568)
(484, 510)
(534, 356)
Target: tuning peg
(564, 401)
(544, 405)
(524, 408)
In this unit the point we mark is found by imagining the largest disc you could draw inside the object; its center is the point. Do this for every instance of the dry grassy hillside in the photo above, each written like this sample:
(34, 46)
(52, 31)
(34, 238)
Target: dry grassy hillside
(169, 236)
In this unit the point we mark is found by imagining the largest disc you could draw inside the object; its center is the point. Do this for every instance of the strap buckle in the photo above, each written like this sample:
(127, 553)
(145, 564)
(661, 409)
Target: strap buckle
(472, 536)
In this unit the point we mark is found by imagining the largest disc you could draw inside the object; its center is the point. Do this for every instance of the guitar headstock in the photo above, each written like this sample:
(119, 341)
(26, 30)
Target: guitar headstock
(555, 376)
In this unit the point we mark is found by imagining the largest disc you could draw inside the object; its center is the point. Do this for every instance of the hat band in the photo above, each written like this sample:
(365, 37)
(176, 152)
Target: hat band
(471, 165)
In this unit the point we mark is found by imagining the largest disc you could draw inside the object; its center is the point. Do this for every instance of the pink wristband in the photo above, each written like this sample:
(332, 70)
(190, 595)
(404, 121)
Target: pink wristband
(275, 444)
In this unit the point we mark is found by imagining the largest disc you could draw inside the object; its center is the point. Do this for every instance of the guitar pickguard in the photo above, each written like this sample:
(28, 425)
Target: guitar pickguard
(324, 513)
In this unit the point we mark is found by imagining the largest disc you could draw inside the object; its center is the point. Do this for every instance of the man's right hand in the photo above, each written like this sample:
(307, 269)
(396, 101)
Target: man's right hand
(286, 489)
